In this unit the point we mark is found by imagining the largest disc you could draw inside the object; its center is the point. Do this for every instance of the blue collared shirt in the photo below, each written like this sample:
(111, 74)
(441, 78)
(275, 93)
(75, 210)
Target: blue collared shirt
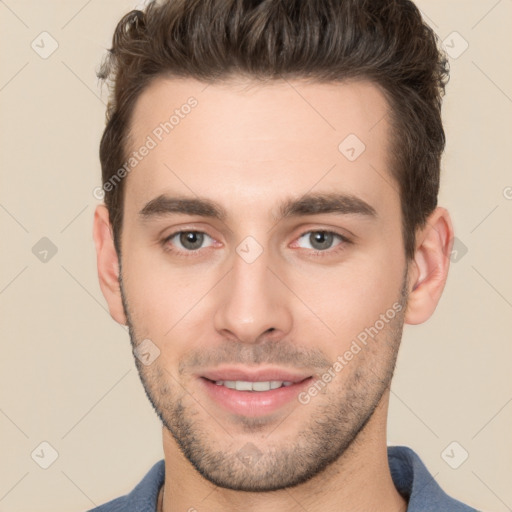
(410, 476)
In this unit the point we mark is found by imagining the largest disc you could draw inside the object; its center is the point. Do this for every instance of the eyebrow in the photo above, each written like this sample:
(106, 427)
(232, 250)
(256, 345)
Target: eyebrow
(309, 204)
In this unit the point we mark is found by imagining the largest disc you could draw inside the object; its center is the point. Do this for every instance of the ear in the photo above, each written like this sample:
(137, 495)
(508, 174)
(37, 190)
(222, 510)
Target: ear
(429, 269)
(108, 263)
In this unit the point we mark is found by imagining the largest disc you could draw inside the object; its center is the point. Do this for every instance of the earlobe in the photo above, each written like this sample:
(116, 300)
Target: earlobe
(429, 269)
(108, 264)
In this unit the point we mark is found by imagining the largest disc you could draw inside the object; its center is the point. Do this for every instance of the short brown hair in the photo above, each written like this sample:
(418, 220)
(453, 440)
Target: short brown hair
(383, 41)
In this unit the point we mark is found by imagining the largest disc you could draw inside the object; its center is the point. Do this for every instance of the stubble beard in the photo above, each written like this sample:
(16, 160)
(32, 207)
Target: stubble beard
(336, 419)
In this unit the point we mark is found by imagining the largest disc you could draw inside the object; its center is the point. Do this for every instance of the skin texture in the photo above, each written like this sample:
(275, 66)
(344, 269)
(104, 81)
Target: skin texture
(298, 306)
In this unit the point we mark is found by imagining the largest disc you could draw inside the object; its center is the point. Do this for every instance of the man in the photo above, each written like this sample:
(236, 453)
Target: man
(271, 171)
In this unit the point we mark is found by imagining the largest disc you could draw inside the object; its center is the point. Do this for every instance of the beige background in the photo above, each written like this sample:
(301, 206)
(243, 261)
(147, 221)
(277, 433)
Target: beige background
(66, 371)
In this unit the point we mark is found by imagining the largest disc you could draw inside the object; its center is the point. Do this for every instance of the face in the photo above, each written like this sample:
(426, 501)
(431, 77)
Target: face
(262, 256)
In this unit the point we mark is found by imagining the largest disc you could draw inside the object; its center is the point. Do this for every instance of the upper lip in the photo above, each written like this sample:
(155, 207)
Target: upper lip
(253, 374)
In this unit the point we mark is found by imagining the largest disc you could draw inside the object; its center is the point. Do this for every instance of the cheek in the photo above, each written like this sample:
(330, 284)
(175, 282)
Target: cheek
(162, 297)
(349, 298)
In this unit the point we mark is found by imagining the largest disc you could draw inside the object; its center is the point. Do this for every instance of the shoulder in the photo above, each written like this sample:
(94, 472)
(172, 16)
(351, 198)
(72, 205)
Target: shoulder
(144, 495)
(413, 480)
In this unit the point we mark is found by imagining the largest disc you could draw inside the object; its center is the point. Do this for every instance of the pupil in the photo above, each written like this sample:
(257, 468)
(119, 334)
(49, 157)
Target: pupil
(321, 238)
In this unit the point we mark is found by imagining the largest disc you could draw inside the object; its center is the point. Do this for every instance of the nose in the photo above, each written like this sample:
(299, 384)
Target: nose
(254, 303)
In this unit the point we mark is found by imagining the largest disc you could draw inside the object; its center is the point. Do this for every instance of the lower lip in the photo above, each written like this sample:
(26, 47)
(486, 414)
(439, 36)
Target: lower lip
(253, 403)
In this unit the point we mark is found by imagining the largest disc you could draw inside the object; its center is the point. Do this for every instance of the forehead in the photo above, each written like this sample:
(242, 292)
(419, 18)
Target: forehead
(233, 139)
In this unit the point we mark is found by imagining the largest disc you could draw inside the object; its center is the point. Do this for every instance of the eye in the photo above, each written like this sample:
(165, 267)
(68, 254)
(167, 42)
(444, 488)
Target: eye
(186, 241)
(321, 240)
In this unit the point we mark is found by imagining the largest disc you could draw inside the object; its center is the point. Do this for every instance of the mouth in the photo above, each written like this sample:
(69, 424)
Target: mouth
(252, 393)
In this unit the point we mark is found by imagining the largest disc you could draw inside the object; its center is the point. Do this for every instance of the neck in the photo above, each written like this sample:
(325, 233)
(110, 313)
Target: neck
(359, 480)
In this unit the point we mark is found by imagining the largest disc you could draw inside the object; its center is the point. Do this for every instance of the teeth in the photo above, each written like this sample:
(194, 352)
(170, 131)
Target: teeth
(260, 386)
(243, 385)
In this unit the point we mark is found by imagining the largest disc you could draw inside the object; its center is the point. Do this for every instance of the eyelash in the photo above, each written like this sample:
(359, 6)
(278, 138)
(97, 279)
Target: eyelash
(316, 253)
